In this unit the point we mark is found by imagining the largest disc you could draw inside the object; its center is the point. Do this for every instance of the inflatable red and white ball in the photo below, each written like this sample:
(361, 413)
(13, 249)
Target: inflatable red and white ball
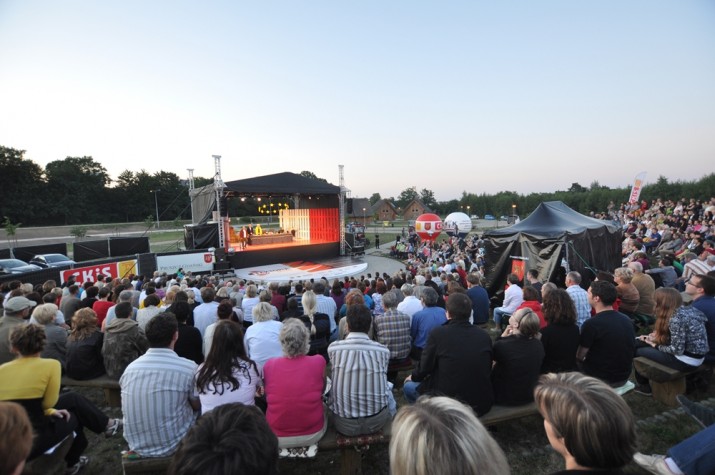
(457, 224)
(428, 226)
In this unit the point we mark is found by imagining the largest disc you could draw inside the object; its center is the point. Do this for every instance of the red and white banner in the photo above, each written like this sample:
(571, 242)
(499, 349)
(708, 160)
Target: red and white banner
(114, 270)
(637, 185)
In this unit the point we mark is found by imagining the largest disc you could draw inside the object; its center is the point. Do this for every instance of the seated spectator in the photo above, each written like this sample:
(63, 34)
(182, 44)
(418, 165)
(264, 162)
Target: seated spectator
(124, 296)
(354, 297)
(17, 313)
(392, 329)
(586, 422)
(34, 383)
(89, 295)
(513, 297)
(480, 299)
(701, 289)
(532, 302)
(231, 439)
(517, 355)
(607, 340)
(228, 375)
(205, 313)
(439, 435)
(124, 341)
(626, 291)
(189, 345)
(679, 340)
(646, 289)
(154, 426)
(456, 361)
(56, 342)
(102, 306)
(294, 390)
(249, 301)
(424, 321)
(361, 398)
(149, 310)
(292, 310)
(579, 297)
(317, 323)
(261, 338)
(666, 272)
(84, 347)
(560, 337)
(15, 438)
(224, 311)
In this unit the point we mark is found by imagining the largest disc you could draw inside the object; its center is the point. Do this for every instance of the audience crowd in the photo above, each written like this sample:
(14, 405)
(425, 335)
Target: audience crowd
(216, 353)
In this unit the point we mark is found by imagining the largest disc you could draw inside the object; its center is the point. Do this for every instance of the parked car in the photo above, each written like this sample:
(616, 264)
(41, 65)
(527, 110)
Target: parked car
(489, 217)
(16, 266)
(504, 218)
(52, 260)
(474, 216)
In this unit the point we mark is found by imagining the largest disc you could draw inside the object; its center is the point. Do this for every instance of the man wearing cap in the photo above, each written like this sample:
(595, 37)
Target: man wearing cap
(17, 312)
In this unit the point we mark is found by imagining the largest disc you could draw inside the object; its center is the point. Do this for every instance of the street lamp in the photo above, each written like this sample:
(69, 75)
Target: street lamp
(156, 204)
(364, 219)
(513, 210)
(468, 212)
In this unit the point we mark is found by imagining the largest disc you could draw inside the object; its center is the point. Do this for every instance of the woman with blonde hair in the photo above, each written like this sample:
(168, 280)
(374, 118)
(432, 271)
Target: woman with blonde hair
(317, 323)
(627, 292)
(517, 355)
(262, 336)
(249, 301)
(442, 436)
(586, 422)
(84, 346)
(679, 340)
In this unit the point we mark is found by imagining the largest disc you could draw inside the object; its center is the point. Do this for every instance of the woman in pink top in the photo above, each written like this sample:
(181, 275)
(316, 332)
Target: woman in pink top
(294, 387)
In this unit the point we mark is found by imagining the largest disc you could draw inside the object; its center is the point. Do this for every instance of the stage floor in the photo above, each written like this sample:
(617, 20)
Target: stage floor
(338, 267)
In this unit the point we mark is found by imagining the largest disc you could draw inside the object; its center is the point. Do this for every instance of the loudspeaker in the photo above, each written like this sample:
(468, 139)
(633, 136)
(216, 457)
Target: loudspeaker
(350, 206)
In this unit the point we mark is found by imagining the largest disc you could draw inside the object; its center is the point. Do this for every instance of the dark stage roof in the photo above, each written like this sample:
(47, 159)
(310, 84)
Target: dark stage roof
(285, 183)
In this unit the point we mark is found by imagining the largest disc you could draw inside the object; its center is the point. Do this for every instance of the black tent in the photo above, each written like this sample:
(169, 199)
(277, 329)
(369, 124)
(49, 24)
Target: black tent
(551, 233)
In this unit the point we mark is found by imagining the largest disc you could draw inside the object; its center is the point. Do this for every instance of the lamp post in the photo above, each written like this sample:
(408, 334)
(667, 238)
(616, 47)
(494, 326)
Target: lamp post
(156, 204)
(513, 210)
(470, 216)
(364, 219)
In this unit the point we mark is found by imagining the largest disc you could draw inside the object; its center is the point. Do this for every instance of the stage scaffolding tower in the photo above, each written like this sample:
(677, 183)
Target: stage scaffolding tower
(343, 193)
(218, 188)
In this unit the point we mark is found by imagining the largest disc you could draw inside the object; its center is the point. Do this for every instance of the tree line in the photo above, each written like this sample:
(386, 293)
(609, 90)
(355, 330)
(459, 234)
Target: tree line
(78, 190)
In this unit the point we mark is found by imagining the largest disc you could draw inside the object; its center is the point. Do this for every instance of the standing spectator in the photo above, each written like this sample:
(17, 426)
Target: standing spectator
(361, 398)
(456, 362)
(123, 342)
(560, 337)
(518, 355)
(154, 426)
(84, 347)
(607, 339)
(579, 296)
(513, 297)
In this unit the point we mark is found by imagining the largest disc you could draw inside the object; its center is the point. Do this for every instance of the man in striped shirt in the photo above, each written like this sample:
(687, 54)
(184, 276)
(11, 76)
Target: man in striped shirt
(159, 398)
(361, 398)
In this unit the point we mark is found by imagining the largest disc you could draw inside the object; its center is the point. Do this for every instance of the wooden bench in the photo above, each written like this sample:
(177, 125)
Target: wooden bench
(351, 455)
(144, 465)
(112, 391)
(499, 414)
(665, 382)
(51, 462)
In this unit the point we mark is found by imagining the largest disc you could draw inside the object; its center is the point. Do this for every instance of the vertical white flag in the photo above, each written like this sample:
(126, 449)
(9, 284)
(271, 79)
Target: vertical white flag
(637, 185)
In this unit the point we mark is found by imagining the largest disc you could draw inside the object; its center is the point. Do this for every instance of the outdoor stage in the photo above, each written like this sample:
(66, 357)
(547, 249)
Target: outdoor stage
(335, 268)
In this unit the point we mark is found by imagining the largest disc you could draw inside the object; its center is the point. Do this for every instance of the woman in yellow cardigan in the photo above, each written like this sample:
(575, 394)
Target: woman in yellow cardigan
(34, 383)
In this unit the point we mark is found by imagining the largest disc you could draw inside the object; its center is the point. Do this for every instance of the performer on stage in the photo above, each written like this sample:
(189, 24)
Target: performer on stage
(242, 238)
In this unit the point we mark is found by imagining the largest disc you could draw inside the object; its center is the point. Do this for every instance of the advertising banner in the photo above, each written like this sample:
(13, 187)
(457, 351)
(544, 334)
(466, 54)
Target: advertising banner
(193, 262)
(114, 270)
